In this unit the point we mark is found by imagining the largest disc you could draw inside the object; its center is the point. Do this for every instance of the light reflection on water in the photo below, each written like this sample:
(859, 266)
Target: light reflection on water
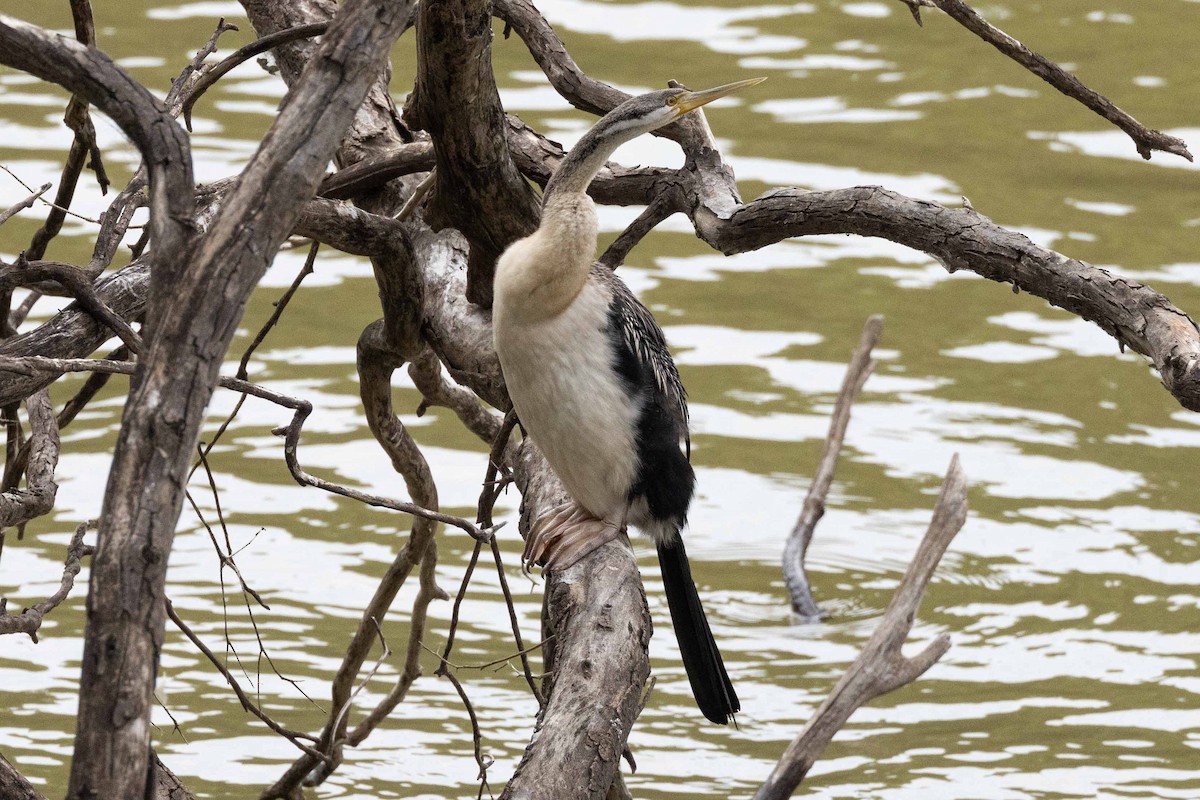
(1070, 595)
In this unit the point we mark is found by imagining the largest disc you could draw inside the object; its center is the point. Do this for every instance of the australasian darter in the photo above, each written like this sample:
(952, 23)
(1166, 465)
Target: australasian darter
(595, 387)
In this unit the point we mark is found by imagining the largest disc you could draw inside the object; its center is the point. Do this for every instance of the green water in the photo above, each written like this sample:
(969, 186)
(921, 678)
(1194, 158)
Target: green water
(1070, 595)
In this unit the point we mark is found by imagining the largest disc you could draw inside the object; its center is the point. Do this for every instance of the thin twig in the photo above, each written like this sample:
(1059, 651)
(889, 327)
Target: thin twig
(31, 252)
(804, 608)
(294, 737)
(24, 204)
(215, 72)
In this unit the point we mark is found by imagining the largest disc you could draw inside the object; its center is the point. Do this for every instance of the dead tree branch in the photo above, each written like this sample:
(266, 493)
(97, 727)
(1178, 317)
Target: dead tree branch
(881, 667)
(14, 786)
(18, 506)
(1146, 140)
(804, 608)
(24, 204)
(30, 620)
(213, 73)
(370, 174)
(597, 625)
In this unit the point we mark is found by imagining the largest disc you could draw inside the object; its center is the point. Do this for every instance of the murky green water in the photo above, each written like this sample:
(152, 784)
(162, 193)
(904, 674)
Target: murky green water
(1071, 596)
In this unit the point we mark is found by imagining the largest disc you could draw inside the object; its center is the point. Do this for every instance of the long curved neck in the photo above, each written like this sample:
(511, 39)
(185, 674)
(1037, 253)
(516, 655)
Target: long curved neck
(588, 157)
(541, 275)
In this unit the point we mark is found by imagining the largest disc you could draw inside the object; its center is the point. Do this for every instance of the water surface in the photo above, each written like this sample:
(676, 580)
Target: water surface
(1070, 595)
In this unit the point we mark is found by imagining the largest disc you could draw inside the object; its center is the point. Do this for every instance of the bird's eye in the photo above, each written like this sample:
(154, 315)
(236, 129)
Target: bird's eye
(672, 100)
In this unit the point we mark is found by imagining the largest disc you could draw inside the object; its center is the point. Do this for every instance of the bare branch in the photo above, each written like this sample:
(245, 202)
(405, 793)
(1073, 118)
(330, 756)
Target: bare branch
(18, 506)
(591, 701)
(658, 210)
(30, 620)
(859, 369)
(14, 785)
(249, 705)
(1145, 139)
(372, 173)
(881, 666)
(47, 275)
(1134, 314)
(426, 374)
(24, 204)
(215, 72)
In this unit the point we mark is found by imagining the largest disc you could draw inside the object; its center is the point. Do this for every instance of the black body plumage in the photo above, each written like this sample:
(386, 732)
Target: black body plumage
(663, 488)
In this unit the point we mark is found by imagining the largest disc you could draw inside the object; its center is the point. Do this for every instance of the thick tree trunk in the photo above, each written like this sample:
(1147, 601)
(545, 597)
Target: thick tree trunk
(171, 389)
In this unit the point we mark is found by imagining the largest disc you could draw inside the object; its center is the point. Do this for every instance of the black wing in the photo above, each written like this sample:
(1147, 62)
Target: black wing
(647, 346)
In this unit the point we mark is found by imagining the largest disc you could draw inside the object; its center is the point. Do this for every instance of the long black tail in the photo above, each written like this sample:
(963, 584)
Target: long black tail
(701, 658)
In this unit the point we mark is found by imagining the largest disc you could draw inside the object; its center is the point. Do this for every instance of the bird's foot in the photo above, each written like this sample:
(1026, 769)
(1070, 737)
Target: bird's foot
(565, 534)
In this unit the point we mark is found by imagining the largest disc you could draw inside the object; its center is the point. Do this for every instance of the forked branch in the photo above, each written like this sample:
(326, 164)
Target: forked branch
(881, 666)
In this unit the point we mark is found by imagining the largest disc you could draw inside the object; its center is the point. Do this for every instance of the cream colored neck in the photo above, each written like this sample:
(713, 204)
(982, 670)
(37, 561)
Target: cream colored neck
(539, 276)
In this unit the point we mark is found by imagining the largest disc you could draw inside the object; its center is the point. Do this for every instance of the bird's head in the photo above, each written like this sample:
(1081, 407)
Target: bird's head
(651, 111)
(627, 121)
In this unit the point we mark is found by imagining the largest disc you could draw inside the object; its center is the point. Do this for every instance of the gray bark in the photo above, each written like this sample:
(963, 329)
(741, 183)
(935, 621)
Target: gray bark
(179, 369)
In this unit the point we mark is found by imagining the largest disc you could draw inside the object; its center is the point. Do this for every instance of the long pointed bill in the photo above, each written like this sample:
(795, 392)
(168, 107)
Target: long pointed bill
(693, 100)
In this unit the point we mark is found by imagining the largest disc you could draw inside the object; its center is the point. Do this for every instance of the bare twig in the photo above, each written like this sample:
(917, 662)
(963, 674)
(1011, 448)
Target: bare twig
(1145, 139)
(5, 216)
(183, 83)
(881, 667)
(795, 578)
(215, 72)
(30, 620)
(295, 737)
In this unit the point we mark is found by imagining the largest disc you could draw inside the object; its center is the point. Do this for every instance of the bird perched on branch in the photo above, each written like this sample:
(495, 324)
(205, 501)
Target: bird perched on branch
(595, 387)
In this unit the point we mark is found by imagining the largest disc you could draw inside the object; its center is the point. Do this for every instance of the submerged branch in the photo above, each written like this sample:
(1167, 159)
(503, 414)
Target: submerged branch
(804, 608)
(881, 667)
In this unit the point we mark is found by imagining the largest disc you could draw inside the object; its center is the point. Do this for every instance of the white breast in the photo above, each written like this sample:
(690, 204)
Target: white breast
(560, 376)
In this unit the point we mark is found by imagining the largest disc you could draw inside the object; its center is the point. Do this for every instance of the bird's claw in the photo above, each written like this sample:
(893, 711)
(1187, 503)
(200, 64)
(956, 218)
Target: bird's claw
(563, 535)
